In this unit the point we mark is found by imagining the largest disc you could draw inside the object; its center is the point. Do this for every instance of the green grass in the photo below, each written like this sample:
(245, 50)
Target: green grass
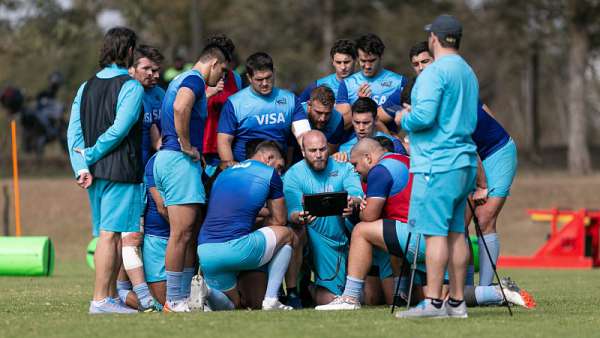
(568, 306)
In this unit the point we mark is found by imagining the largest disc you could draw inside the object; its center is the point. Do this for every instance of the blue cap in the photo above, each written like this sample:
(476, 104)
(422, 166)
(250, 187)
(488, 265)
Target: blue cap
(445, 25)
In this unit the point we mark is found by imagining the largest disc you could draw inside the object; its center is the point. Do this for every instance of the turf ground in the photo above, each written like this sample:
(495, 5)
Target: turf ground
(57, 307)
(568, 301)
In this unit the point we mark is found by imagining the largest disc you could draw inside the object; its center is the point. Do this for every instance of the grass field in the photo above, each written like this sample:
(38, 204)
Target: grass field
(57, 307)
(568, 301)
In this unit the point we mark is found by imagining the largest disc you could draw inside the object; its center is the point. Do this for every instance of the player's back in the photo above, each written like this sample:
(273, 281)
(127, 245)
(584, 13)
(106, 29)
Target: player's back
(236, 197)
(397, 202)
(489, 135)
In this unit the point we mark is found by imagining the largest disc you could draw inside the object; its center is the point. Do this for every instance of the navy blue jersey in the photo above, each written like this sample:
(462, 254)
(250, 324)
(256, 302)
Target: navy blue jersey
(154, 223)
(236, 197)
(489, 135)
(193, 80)
(248, 116)
(152, 103)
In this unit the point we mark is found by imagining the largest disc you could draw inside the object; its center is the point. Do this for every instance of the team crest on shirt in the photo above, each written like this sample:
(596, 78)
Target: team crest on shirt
(270, 118)
(282, 100)
(386, 84)
(333, 173)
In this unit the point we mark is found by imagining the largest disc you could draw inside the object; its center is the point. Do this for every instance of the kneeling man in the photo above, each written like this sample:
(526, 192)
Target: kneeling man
(227, 243)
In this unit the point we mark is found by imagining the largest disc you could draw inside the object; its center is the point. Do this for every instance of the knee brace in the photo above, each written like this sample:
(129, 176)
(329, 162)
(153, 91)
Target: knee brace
(131, 257)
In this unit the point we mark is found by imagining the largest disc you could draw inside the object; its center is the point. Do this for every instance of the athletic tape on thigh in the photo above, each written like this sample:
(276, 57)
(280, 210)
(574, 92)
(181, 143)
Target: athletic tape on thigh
(271, 243)
(390, 238)
(131, 257)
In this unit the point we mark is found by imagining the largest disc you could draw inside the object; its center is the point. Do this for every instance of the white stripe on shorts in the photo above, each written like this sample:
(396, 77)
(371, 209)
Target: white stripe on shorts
(271, 242)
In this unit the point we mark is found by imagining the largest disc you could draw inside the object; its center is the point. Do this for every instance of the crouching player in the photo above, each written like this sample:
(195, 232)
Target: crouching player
(392, 236)
(227, 243)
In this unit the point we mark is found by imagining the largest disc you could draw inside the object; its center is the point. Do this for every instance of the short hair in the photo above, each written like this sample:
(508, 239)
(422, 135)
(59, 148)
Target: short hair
(257, 62)
(344, 46)
(417, 49)
(324, 95)
(370, 44)
(222, 40)
(214, 51)
(449, 40)
(365, 105)
(266, 145)
(386, 143)
(148, 52)
(115, 47)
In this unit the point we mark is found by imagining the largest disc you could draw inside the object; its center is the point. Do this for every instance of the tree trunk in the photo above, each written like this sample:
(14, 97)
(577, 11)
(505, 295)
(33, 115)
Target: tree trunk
(195, 30)
(578, 149)
(327, 34)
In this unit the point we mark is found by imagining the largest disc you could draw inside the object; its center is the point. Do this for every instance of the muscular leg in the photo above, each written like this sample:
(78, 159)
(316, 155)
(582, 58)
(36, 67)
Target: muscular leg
(181, 219)
(436, 259)
(106, 259)
(487, 215)
(291, 276)
(457, 264)
(252, 286)
(159, 290)
(322, 295)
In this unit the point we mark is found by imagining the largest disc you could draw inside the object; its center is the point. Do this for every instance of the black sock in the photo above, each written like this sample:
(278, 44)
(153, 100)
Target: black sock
(454, 302)
(437, 302)
(292, 291)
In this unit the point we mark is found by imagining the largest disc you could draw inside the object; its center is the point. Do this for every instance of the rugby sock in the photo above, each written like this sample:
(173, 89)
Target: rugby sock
(486, 272)
(470, 280)
(123, 289)
(143, 294)
(218, 301)
(454, 302)
(186, 282)
(277, 268)
(174, 285)
(354, 287)
(437, 303)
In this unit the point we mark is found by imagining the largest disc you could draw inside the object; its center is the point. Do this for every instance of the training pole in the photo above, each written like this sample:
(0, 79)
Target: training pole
(480, 235)
(13, 133)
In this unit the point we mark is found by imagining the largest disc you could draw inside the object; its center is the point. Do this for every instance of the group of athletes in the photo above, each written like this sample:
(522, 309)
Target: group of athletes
(218, 170)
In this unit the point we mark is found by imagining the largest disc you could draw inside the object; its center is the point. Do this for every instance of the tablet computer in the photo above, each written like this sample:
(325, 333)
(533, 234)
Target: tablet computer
(326, 203)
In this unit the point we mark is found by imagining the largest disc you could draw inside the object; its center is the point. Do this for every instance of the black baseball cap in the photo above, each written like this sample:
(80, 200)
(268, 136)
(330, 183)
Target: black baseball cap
(445, 26)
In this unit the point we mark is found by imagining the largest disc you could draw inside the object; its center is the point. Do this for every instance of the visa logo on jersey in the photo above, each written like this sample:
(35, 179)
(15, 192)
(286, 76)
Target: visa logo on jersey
(270, 118)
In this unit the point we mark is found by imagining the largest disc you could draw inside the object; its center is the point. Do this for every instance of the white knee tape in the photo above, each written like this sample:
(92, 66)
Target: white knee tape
(131, 257)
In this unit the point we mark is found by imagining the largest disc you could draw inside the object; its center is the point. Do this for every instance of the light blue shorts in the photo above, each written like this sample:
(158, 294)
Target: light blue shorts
(178, 179)
(116, 206)
(500, 169)
(329, 260)
(154, 251)
(381, 260)
(438, 200)
(222, 262)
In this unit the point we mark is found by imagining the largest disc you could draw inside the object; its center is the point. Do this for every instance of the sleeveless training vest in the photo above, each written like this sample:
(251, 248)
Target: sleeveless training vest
(98, 111)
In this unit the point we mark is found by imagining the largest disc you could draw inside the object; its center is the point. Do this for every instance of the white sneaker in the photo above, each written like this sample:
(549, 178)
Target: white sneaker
(459, 311)
(176, 306)
(424, 310)
(340, 303)
(270, 304)
(198, 293)
(516, 295)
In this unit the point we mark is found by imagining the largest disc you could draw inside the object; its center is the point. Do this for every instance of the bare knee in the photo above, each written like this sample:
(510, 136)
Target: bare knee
(487, 219)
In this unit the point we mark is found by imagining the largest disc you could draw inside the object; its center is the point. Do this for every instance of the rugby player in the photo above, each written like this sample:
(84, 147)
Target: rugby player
(260, 111)
(227, 244)
(372, 81)
(145, 69)
(229, 85)
(343, 59)
(104, 140)
(388, 195)
(327, 237)
(182, 123)
(364, 118)
(444, 164)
